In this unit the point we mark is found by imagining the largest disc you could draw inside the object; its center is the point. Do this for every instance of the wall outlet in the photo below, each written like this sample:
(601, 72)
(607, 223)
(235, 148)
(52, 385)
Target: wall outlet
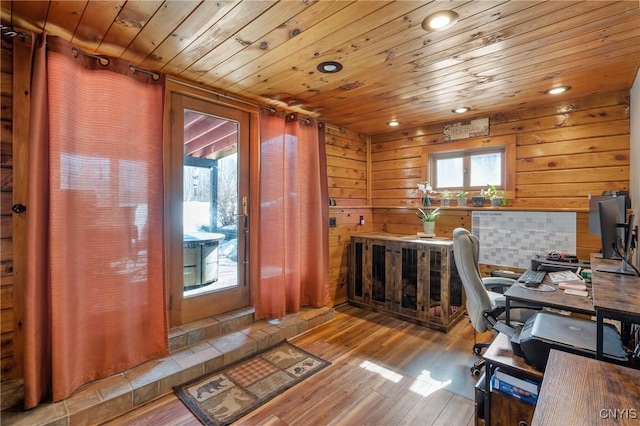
(333, 222)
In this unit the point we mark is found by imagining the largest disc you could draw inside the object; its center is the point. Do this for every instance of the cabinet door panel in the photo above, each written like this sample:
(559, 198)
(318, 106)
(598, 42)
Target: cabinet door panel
(378, 273)
(357, 252)
(407, 292)
(507, 411)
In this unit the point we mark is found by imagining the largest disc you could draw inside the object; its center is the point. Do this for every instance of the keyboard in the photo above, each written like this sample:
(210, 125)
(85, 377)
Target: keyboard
(532, 278)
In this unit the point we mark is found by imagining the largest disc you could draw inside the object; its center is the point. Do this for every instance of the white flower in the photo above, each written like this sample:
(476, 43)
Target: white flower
(425, 187)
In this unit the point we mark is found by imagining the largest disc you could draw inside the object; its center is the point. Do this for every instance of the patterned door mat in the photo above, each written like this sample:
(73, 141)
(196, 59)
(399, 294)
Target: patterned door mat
(222, 397)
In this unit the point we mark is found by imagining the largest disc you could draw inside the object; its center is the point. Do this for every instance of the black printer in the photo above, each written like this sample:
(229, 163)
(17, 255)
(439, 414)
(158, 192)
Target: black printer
(544, 263)
(545, 331)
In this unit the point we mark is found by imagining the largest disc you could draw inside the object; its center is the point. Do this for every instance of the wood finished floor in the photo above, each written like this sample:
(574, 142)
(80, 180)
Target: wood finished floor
(384, 372)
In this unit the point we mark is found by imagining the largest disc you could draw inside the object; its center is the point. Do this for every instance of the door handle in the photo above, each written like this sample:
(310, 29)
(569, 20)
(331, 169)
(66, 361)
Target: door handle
(19, 208)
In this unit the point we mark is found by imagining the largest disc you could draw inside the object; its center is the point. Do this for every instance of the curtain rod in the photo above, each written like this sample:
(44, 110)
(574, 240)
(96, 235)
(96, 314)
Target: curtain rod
(101, 59)
(104, 61)
(338, 129)
(154, 75)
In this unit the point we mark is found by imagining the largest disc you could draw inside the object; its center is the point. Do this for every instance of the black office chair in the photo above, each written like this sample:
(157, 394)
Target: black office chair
(485, 302)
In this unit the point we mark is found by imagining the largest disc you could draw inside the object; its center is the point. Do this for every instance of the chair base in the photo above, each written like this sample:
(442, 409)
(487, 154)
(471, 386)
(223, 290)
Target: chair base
(476, 370)
(477, 348)
(477, 367)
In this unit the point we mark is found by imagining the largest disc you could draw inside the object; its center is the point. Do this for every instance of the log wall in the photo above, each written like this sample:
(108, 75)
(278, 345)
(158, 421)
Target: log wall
(565, 150)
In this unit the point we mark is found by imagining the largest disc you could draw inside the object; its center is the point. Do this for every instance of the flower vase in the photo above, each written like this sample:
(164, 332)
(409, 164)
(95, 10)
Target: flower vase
(427, 201)
(429, 227)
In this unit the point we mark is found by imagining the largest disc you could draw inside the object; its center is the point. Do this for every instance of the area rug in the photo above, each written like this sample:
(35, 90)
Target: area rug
(222, 397)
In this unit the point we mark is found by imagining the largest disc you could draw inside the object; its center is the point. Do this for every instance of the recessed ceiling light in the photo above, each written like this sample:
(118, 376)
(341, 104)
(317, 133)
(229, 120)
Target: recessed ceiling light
(557, 90)
(460, 110)
(440, 20)
(393, 123)
(329, 67)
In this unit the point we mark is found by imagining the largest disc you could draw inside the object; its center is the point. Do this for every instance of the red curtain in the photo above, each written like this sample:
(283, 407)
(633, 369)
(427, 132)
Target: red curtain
(94, 286)
(294, 216)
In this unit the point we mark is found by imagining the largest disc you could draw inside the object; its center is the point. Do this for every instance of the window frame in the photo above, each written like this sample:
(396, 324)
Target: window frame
(466, 156)
(505, 143)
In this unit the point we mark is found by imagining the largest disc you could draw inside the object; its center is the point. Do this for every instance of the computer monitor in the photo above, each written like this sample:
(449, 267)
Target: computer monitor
(624, 204)
(617, 237)
(610, 221)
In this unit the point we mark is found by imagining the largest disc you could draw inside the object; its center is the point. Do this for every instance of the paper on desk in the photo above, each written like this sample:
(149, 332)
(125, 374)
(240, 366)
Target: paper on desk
(572, 285)
(558, 276)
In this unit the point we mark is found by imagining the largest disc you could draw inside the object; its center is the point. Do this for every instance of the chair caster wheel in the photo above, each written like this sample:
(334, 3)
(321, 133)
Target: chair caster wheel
(477, 367)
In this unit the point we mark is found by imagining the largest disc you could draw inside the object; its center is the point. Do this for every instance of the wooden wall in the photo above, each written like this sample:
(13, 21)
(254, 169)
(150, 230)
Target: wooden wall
(6, 201)
(347, 172)
(565, 150)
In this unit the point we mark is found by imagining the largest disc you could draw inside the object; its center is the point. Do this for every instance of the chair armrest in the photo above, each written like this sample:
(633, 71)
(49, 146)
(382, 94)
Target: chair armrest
(497, 284)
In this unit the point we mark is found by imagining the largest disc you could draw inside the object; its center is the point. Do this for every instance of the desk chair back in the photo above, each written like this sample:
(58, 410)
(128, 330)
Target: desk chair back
(466, 251)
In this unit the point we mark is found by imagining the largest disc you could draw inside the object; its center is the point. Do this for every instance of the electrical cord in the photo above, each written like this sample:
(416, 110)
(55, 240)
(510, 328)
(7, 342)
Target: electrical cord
(615, 249)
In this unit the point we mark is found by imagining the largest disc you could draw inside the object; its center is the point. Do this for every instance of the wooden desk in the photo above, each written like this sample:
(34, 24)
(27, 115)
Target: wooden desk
(554, 299)
(614, 296)
(500, 354)
(584, 391)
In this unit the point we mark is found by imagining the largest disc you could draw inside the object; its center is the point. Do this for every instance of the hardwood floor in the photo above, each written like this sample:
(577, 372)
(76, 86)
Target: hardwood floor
(384, 372)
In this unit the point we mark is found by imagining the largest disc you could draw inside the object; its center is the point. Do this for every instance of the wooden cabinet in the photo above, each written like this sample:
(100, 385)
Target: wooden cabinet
(500, 408)
(412, 278)
(507, 410)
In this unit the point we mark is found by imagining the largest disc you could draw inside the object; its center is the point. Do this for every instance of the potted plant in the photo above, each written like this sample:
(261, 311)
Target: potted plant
(461, 198)
(492, 192)
(478, 200)
(428, 218)
(445, 198)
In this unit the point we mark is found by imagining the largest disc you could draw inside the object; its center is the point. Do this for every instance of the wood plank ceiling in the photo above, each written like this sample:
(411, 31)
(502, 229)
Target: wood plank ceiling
(500, 56)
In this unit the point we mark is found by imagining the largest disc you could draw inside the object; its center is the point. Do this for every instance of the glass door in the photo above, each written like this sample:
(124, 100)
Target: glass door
(208, 236)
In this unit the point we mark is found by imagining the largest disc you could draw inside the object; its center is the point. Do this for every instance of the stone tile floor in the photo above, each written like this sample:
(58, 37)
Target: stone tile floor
(196, 349)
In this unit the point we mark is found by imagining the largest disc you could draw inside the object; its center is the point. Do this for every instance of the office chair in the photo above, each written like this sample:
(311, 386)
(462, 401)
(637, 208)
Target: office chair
(485, 302)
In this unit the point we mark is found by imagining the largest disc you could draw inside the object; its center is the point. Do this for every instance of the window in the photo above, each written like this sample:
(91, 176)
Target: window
(471, 164)
(467, 170)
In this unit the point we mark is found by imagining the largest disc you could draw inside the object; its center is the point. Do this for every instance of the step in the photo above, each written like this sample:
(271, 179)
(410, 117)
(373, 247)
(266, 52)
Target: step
(196, 349)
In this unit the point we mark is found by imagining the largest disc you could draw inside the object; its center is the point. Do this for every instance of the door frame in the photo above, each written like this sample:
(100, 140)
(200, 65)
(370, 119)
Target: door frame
(177, 312)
